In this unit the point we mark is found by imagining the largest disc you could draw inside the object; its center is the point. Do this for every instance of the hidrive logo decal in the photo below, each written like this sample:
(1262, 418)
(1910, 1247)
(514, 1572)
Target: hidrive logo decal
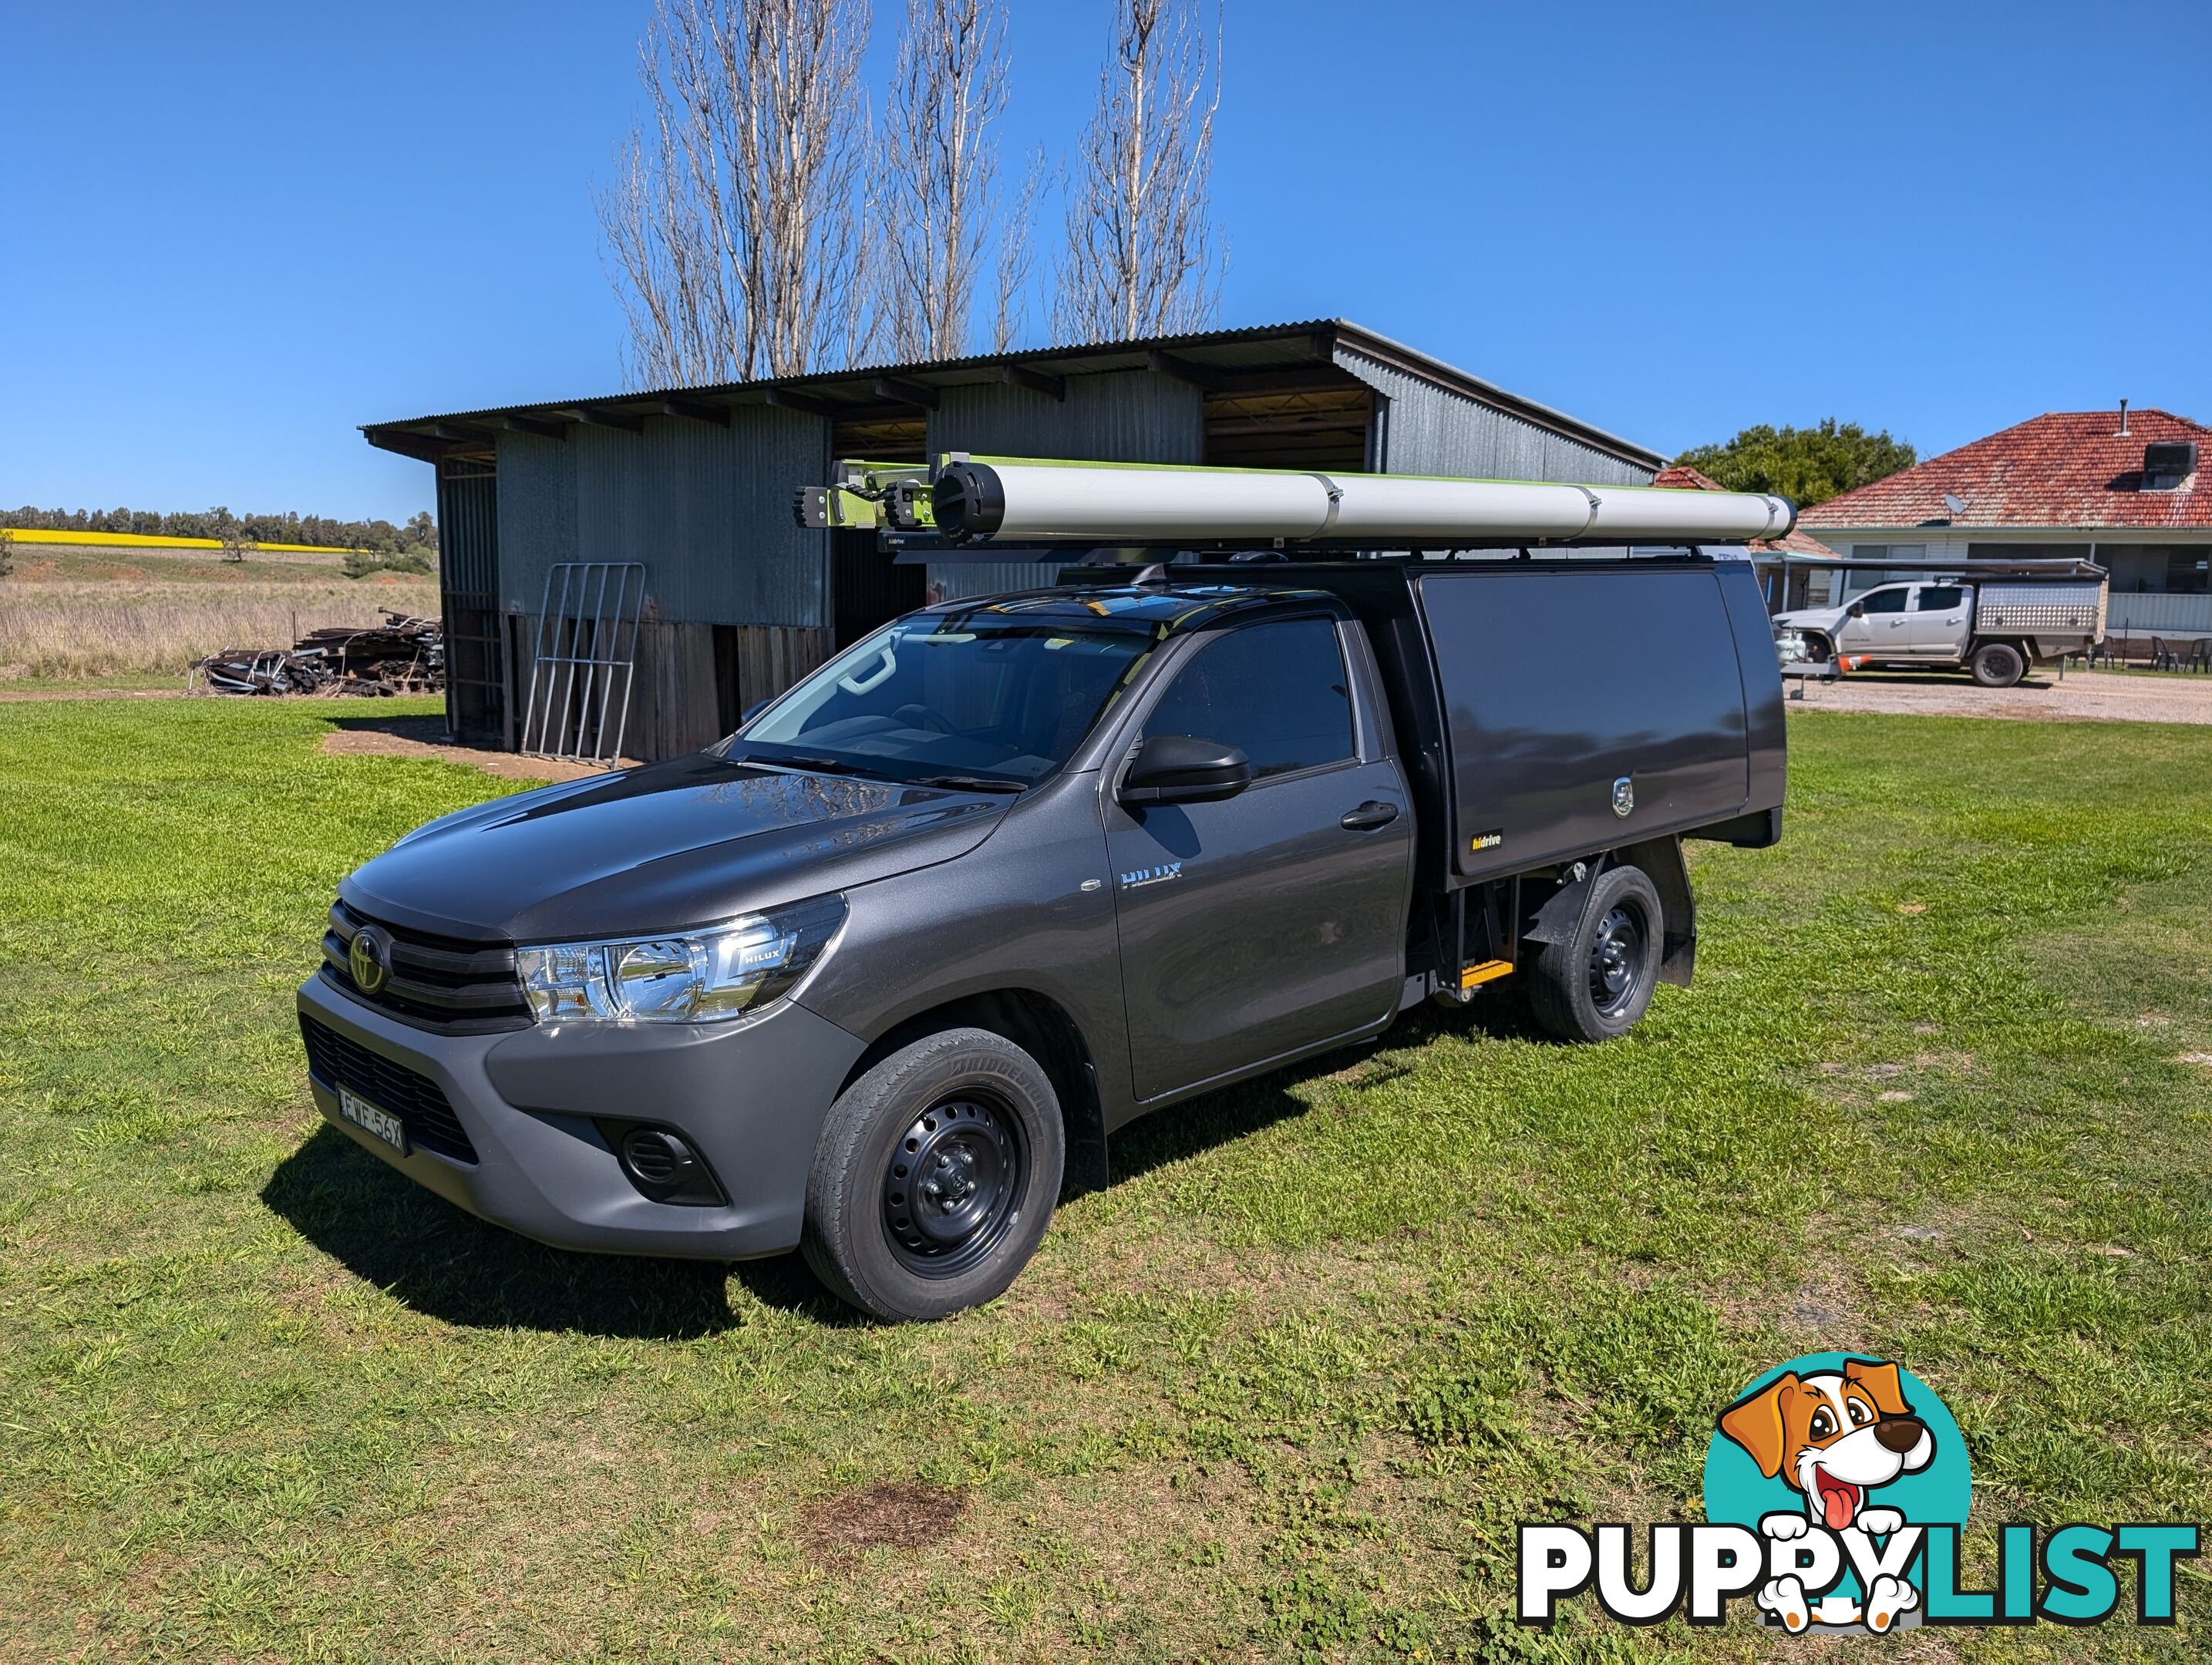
(1159, 875)
(1835, 1486)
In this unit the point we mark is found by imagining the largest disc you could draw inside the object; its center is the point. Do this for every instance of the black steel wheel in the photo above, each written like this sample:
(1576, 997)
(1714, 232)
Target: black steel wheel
(1595, 981)
(935, 1176)
(1616, 955)
(952, 1183)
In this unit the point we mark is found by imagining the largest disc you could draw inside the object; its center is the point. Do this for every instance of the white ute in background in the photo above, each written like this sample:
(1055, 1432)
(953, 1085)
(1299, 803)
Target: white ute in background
(1995, 626)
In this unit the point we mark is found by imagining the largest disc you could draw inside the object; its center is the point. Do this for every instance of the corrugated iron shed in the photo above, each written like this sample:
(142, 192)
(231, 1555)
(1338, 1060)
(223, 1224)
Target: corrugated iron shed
(698, 484)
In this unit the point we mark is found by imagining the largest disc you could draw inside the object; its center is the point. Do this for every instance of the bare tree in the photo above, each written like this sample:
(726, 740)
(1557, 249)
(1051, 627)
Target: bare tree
(1140, 259)
(1016, 257)
(733, 224)
(948, 85)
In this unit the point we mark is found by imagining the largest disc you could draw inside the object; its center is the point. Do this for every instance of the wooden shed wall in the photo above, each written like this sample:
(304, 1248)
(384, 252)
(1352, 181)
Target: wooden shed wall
(690, 684)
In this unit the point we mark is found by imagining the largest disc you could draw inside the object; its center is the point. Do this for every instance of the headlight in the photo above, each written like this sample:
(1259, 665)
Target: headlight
(700, 977)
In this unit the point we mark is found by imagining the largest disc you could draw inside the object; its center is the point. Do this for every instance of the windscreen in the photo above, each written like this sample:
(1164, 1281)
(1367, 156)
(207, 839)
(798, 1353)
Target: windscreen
(952, 695)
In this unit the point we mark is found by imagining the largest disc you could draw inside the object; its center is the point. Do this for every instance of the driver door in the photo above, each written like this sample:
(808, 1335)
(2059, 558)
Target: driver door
(1261, 924)
(1882, 630)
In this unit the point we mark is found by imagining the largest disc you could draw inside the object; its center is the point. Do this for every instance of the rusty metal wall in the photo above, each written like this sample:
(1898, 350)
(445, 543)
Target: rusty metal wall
(707, 508)
(1123, 416)
(1422, 428)
(468, 527)
(468, 579)
(537, 516)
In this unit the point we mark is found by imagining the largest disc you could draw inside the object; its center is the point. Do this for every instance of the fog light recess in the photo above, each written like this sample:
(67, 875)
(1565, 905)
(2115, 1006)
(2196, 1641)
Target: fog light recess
(662, 1164)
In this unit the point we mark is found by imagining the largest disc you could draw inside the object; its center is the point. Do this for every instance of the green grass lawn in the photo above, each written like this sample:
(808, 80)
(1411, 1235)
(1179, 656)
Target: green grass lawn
(1284, 1389)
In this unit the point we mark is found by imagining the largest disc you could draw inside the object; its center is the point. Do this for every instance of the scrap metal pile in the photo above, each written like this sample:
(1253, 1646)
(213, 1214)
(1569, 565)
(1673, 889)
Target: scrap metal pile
(402, 655)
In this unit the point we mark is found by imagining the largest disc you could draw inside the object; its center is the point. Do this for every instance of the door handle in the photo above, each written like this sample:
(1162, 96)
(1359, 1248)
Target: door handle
(1369, 816)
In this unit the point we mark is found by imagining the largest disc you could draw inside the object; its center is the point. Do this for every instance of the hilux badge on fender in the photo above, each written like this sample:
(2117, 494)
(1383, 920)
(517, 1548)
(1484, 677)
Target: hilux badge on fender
(369, 959)
(1159, 875)
(1624, 796)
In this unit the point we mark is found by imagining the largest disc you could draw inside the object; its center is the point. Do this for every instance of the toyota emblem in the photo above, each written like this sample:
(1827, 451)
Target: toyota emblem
(369, 959)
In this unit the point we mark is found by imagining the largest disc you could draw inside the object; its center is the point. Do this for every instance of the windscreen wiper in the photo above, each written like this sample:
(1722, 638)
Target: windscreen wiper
(846, 766)
(967, 782)
(822, 766)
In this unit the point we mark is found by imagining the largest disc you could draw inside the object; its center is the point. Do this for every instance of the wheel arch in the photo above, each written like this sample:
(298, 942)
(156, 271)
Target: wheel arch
(1660, 861)
(1660, 858)
(1039, 1026)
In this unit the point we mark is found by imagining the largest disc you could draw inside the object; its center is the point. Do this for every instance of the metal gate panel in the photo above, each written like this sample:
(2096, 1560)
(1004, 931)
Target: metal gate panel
(585, 660)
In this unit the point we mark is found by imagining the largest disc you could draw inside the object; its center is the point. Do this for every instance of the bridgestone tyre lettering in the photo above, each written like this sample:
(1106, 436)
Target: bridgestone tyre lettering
(1998, 664)
(935, 1177)
(1597, 983)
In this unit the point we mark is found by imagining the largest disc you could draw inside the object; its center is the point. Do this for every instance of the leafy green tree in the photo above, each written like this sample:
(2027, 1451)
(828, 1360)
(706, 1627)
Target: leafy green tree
(366, 563)
(1808, 465)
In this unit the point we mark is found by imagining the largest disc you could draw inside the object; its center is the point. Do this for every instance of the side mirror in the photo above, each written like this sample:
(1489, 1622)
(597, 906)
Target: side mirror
(1182, 769)
(1857, 609)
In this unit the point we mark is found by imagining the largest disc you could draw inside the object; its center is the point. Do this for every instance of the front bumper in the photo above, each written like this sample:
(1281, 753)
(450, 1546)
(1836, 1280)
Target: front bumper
(750, 1096)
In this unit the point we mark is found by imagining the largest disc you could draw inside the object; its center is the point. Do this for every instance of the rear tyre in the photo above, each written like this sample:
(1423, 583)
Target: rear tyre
(934, 1177)
(1998, 664)
(1597, 982)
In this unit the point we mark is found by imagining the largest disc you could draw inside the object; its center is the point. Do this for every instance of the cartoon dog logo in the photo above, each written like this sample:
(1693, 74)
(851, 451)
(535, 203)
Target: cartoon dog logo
(1836, 1436)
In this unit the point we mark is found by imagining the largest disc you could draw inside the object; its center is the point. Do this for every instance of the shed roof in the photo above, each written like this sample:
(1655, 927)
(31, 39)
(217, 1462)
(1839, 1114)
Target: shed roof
(1270, 356)
(2065, 468)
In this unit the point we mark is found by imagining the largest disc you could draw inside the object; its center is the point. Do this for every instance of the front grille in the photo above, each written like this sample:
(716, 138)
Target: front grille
(436, 983)
(338, 1060)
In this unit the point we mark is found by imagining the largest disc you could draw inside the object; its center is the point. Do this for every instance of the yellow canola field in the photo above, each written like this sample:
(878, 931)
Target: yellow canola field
(121, 540)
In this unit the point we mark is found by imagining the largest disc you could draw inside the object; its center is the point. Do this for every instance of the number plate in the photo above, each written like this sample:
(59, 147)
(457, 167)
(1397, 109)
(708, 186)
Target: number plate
(371, 1120)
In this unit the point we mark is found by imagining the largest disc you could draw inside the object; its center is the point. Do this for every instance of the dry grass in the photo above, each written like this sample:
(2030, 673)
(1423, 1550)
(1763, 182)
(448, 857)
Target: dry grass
(68, 627)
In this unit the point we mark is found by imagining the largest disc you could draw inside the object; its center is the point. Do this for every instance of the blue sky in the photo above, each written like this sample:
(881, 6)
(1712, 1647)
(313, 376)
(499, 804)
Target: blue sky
(235, 232)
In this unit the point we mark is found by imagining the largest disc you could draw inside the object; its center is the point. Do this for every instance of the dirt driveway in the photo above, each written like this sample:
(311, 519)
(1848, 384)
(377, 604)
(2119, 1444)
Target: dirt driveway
(425, 737)
(2082, 697)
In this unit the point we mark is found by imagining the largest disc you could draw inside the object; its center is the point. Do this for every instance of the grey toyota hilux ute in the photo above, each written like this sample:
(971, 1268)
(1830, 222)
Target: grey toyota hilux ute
(877, 976)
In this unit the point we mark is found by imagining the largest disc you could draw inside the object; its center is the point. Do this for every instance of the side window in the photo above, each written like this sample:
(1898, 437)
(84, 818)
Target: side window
(1885, 601)
(1939, 598)
(1277, 692)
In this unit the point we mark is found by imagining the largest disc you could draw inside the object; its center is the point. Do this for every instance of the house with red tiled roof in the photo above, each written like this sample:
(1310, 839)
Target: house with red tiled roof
(2129, 489)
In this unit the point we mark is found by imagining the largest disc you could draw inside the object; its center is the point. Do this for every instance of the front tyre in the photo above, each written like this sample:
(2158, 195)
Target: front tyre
(1596, 983)
(1998, 664)
(934, 1177)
